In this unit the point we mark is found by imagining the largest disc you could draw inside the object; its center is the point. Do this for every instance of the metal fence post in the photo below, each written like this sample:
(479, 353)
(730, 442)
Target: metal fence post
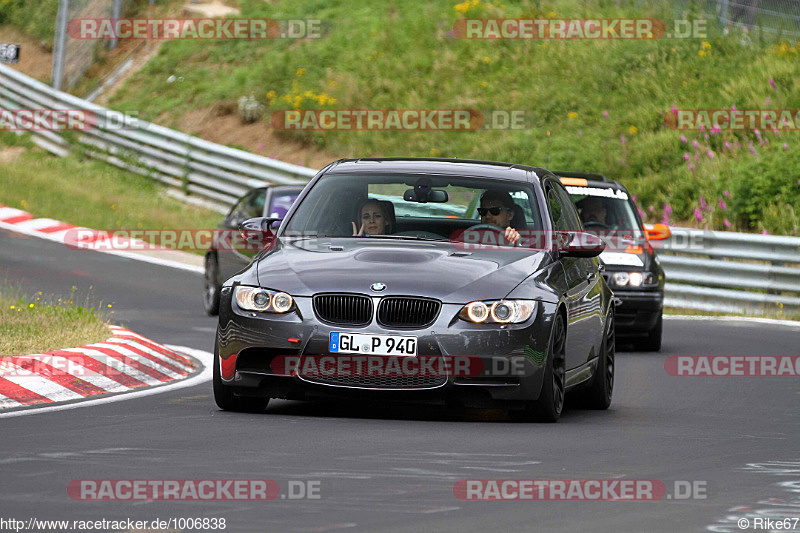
(60, 45)
(116, 12)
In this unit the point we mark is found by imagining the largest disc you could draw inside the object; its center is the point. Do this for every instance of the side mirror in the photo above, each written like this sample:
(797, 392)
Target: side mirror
(658, 232)
(580, 244)
(257, 225)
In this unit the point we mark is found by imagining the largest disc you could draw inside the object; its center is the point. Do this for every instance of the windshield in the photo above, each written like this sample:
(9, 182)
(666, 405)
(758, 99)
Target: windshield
(602, 208)
(410, 206)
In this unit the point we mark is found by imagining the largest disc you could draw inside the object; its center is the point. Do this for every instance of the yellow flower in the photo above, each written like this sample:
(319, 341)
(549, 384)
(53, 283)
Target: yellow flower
(332, 101)
(571, 115)
(23, 203)
(484, 84)
(271, 95)
(298, 101)
(322, 99)
(309, 94)
(300, 72)
(113, 207)
(633, 130)
(109, 305)
(30, 306)
(706, 45)
(435, 152)
(551, 14)
(702, 53)
(12, 307)
(486, 60)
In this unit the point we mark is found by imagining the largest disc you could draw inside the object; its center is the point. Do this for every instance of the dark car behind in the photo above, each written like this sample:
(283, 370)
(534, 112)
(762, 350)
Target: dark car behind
(633, 270)
(223, 262)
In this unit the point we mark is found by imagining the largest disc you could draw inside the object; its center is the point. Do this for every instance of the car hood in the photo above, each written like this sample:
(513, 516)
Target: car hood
(419, 268)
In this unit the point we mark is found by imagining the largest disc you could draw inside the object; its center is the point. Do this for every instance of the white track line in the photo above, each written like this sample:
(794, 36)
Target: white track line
(754, 320)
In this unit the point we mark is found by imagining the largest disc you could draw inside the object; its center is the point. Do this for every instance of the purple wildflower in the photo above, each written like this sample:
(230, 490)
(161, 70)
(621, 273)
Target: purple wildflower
(726, 194)
(698, 215)
(710, 154)
(726, 223)
(695, 144)
(722, 205)
(683, 138)
(605, 114)
(772, 83)
(686, 156)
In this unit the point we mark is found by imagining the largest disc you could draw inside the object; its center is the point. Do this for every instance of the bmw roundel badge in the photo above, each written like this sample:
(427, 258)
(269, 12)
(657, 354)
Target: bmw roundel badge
(378, 287)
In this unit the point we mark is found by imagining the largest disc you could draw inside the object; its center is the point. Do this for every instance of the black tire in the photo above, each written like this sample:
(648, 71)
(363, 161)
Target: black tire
(551, 400)
(211, 286)
(652, 343)
(598, 394)
(227, 400)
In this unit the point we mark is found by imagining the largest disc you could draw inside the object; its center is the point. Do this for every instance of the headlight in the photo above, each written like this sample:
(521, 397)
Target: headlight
(634, 279)
(498, 312)
(258, 299)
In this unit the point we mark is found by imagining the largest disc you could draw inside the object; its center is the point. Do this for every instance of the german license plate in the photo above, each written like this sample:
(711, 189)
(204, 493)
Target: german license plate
(372, 344)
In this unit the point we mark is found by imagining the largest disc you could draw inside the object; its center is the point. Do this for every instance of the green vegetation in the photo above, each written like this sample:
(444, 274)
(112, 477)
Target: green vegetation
(603, 102)
(93, 194)
(35, 17)
(39, 324)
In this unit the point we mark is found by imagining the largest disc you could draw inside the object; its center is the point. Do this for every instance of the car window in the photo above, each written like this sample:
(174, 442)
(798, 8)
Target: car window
(255, 203)
(330, 207)
(557, 215)
(280, 204)
(605, 208)
(569, 211)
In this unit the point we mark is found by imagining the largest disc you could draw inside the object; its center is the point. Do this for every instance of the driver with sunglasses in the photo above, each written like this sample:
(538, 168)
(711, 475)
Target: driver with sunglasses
(497, 209)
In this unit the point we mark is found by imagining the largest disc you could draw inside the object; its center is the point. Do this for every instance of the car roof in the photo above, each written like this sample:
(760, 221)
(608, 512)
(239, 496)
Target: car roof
(454, 167)
(591, 176)
(588, 179)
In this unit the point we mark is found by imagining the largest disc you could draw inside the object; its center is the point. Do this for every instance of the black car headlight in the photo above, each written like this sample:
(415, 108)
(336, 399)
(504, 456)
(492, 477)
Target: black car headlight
(498, 311)
(263, 300)
(634, 279)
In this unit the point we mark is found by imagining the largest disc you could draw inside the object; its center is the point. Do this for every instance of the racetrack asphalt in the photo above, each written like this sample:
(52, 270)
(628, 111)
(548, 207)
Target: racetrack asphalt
(393, 468)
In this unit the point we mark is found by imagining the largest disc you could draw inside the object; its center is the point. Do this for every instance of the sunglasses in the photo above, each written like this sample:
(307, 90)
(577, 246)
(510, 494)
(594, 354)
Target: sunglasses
(482, 211)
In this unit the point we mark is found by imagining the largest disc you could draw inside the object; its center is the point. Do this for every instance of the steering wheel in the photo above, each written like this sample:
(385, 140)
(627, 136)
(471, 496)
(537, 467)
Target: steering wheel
(594, 224)
(497, 229)
(486, 226)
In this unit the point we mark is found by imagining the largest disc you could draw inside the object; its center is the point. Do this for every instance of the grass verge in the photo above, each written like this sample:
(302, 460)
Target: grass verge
(40, 324)
(94, 194)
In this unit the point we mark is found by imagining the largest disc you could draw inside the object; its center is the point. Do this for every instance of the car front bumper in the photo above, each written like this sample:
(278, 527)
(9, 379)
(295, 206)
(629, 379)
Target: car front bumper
(510, 359)
(637, 311)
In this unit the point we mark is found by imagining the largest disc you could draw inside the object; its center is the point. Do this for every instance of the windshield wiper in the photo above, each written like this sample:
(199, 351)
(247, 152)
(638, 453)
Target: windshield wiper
(404, 237)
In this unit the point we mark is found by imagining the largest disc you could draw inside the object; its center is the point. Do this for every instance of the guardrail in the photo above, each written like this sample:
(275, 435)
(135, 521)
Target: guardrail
(731, 272)
(200, 168)
(714, 271)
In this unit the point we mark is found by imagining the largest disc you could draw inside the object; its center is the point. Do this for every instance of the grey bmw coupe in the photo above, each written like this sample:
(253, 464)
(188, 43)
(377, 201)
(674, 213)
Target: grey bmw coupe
(466, 283)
